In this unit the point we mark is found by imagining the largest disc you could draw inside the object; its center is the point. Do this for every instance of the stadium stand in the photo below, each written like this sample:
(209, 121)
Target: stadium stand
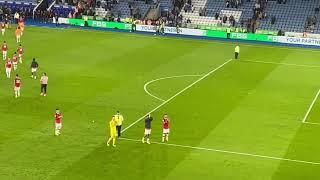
(122, 9)
(292, 16)
(218, 12)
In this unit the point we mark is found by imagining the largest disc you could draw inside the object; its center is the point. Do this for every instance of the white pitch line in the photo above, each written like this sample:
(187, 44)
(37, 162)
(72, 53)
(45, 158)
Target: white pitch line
(178, 93)
(310, 107)
(311, 123)
(145, 87)
(229, 152)
(285, 64)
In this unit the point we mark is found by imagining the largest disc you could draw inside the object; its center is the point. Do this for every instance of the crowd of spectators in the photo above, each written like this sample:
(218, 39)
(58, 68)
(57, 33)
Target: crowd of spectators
(233, 3)
(173, 17)
(188, 6)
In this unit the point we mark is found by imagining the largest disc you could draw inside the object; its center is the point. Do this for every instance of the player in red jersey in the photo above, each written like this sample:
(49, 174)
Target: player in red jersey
(4, 50)
(15, 61)
(3, 28)
(8, 68)
(58, 122)
(166, 128)
(17, 86)
(20, 53)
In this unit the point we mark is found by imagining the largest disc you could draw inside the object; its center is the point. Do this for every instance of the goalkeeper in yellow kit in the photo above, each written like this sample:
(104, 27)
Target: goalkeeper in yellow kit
(113, 132)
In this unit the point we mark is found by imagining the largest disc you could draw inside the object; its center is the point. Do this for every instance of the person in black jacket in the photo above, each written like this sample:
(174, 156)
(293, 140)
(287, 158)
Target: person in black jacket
(34, 68)
(147, 129)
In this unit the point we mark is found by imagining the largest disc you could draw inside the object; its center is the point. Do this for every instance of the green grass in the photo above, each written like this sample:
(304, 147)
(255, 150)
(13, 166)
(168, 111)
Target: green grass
(245, 107)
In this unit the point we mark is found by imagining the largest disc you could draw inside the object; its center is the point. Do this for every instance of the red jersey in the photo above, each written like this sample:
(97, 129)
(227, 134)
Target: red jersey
(58, 117)
(9, 64)
(20, 50)
(4, 47)
(166, 123)
(21, 20)
(17, 82)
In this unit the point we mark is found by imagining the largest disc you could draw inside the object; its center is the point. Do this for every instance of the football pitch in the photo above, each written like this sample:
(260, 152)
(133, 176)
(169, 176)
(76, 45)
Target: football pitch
(256, 118)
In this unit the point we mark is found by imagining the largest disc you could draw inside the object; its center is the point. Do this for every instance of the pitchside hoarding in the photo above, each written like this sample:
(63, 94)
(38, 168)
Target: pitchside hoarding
(196, 32)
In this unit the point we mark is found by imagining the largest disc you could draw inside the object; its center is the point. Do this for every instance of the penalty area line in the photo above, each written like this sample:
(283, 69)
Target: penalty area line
(229, 152)
(177, 94)
(310, 108)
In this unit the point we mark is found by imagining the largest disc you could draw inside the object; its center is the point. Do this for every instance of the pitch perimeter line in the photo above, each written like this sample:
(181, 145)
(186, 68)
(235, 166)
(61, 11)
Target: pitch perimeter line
(310, 107)
(229, 152)
(163, 78)
(178, 93)
(284, 64)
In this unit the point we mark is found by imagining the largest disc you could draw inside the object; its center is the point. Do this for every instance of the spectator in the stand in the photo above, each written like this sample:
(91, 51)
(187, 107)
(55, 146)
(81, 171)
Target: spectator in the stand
(200, 11)
(216, 16)
(273, 20)
(224, 19)
(227, 4)
(232, 21)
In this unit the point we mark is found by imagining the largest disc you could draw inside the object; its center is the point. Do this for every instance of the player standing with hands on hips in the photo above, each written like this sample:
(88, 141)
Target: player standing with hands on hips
(147, 129)
(236, 52)
(44, 84)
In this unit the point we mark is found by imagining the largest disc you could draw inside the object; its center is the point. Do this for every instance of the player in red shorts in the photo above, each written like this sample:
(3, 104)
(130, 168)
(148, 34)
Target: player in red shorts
(15, 61)
(17, 86)
(4, 50)
(20, 53)
(8, 68)
(166, 128)
(58, 122)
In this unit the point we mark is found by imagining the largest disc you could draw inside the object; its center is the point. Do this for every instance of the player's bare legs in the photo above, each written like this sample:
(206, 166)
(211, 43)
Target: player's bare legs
(113, 139)
(146, 138)
(165, 137)
(8, 73)
(57, 130)
(4, 55)
(17, 93)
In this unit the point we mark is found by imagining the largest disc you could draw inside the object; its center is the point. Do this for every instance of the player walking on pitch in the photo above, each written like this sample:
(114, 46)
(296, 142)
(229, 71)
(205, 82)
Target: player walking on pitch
(58, 122)
(18, 34)
(113, 132)
(44, 84)
(3, 28)
(8, 68)
(17, 86)
(34, 68)
(166, 128)
(147, 129)
(20, 53)
(15, 61)
(4, 50)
